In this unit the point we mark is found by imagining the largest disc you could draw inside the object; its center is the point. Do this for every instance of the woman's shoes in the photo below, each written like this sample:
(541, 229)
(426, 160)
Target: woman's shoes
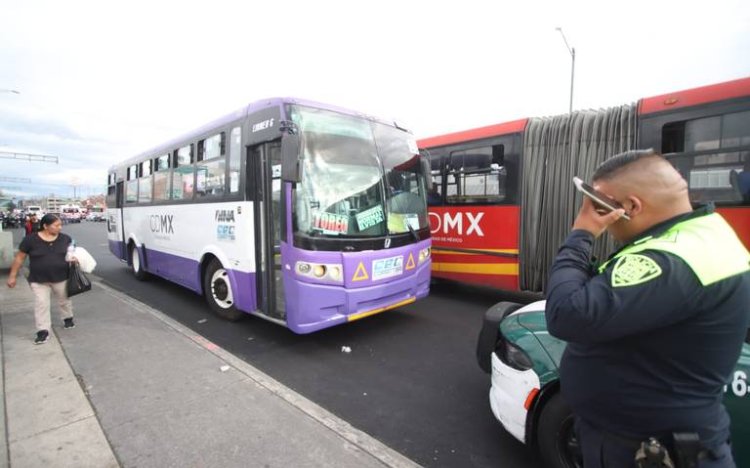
(41, 337)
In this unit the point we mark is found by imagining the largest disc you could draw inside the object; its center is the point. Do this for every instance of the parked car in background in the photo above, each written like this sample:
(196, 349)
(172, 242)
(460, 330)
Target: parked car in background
(71, 214)
(523, 360)
(96, 213)
(95, 216)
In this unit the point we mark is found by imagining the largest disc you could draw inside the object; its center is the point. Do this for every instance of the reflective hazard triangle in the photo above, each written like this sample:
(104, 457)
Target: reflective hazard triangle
(361, 273)
(410, 265)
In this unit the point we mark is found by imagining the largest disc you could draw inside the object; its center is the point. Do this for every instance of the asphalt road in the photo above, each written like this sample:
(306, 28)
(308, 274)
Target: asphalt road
(411, 378)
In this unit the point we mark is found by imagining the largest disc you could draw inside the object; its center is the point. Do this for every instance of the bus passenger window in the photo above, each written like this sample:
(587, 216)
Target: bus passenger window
(711, 153)
(210, 178)
(435, 194)
(161, 178)
(131, 188)
(211, 147)
(183, 174)
(144, 183)
(476, 176)
(235, 155)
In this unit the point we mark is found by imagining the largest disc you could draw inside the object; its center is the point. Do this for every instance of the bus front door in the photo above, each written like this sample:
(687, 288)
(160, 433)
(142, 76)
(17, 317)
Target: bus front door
(264, 172)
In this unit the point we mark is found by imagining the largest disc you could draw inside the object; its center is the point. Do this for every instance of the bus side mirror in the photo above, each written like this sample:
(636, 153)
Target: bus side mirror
(290, 153)
(427, 171)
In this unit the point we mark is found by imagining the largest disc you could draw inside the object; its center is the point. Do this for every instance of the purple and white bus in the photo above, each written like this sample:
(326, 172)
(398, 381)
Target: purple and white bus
(300, 213)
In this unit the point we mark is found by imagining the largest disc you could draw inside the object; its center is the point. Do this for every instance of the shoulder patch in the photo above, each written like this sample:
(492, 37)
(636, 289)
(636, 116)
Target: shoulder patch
(634, 269)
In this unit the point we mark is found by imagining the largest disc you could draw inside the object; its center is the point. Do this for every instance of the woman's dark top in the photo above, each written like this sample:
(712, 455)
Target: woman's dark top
(46, 259)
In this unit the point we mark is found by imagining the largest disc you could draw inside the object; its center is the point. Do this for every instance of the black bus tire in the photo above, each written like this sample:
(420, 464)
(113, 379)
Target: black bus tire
(557, 444)
(218, 292)
(136, 264)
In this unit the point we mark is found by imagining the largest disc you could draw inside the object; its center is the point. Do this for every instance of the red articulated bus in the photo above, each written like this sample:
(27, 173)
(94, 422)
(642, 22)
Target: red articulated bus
(503, 199)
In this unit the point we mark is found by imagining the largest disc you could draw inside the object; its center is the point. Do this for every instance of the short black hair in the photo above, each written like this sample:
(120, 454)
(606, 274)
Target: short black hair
(608, 168)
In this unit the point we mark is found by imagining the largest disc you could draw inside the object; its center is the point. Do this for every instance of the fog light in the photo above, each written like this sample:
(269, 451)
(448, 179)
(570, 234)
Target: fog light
(303, 268)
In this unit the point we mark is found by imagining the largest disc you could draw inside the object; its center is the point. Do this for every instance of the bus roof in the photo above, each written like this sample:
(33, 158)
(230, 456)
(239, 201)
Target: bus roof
(238, 114)
(695, 96)
(489, 131)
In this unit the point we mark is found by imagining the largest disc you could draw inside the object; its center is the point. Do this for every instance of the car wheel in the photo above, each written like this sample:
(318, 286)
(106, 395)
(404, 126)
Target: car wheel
(136, 263)
(556, 439)
(218, 291)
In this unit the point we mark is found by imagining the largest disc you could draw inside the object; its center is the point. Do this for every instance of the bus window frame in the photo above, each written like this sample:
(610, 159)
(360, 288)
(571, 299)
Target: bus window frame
(223, 153)
(171, 152)
(511, 144)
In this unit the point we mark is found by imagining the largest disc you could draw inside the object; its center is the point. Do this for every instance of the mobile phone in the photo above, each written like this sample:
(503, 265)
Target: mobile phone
(601, 201)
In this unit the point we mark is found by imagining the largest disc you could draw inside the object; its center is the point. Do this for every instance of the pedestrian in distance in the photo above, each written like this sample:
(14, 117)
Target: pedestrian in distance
(48, 251)
(655, 331)
(32, 224)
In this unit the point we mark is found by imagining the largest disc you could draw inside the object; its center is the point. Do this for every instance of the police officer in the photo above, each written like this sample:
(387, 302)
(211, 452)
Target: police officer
(653, 333)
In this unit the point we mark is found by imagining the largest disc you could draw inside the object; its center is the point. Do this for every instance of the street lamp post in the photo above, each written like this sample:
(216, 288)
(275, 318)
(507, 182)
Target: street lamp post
(572, 51)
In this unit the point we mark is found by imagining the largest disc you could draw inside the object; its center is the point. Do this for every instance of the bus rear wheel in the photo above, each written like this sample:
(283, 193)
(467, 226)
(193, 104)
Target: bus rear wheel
(218, 291)
(136, 263)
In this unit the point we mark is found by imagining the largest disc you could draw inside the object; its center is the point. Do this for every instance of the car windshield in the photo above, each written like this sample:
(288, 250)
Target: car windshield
(359, 177)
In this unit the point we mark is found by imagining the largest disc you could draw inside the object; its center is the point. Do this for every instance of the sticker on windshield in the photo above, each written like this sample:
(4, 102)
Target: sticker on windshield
(631, 270)
(331, 223)
(370, 217)
(411, 220)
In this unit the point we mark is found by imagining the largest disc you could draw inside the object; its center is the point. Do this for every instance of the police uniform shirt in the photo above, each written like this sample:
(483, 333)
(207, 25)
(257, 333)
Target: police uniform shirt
(650, 348)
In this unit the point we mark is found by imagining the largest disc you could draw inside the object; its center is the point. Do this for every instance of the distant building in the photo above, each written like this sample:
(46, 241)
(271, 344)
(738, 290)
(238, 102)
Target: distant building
(54, 205)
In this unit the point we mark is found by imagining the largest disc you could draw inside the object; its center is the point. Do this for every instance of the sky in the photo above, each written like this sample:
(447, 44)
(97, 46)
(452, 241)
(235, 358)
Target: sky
(98, 82)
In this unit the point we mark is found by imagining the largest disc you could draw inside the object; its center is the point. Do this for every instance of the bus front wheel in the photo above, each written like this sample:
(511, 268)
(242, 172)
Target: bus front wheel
(137, 264)
(218, 291)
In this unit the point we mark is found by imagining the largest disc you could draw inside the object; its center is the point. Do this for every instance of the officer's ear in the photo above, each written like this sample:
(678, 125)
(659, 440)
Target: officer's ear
(633, 205)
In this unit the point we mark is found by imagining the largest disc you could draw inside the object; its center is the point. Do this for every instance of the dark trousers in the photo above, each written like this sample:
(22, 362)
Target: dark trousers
(601, 450)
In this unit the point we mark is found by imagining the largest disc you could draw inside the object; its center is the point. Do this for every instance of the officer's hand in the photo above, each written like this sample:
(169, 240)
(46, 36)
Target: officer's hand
(11, 282)
(593, 221)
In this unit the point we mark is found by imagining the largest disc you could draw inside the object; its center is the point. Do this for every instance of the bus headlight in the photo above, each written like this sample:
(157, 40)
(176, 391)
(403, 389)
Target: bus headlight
(424, 254)
(321, 271)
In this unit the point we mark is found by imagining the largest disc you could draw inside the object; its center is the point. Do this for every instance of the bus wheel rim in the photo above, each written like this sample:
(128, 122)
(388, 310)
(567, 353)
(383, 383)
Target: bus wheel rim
(221, 290)
(136, 260)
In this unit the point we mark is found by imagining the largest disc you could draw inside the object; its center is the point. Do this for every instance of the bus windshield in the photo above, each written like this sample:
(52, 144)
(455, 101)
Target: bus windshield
(359, 178)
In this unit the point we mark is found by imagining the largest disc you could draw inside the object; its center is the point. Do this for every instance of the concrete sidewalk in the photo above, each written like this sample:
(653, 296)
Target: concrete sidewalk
(131, 387)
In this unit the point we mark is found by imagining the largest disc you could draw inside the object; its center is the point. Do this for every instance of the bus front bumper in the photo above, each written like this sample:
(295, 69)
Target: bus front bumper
(311, 307)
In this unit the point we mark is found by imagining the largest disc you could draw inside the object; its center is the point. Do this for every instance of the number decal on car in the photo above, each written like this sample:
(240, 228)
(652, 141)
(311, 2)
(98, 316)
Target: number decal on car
(739, 384)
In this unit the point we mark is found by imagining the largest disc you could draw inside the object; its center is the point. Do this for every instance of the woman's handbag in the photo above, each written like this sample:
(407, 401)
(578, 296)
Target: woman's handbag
(77, 281)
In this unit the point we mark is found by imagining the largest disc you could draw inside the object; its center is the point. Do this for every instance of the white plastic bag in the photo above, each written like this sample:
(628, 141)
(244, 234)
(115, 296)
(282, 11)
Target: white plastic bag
(85, 260)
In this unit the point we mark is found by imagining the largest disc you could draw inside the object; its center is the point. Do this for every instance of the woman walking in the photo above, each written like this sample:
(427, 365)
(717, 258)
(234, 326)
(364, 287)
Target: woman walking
(48, 267)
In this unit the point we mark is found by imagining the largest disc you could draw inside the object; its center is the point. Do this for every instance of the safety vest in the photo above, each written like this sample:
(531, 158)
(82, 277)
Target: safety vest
(707, 244)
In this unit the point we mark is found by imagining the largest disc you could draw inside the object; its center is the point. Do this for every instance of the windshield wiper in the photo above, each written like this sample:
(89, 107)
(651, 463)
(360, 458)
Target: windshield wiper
(413, 232)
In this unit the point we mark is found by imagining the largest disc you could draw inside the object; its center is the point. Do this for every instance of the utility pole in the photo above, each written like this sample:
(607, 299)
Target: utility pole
(572, 51)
